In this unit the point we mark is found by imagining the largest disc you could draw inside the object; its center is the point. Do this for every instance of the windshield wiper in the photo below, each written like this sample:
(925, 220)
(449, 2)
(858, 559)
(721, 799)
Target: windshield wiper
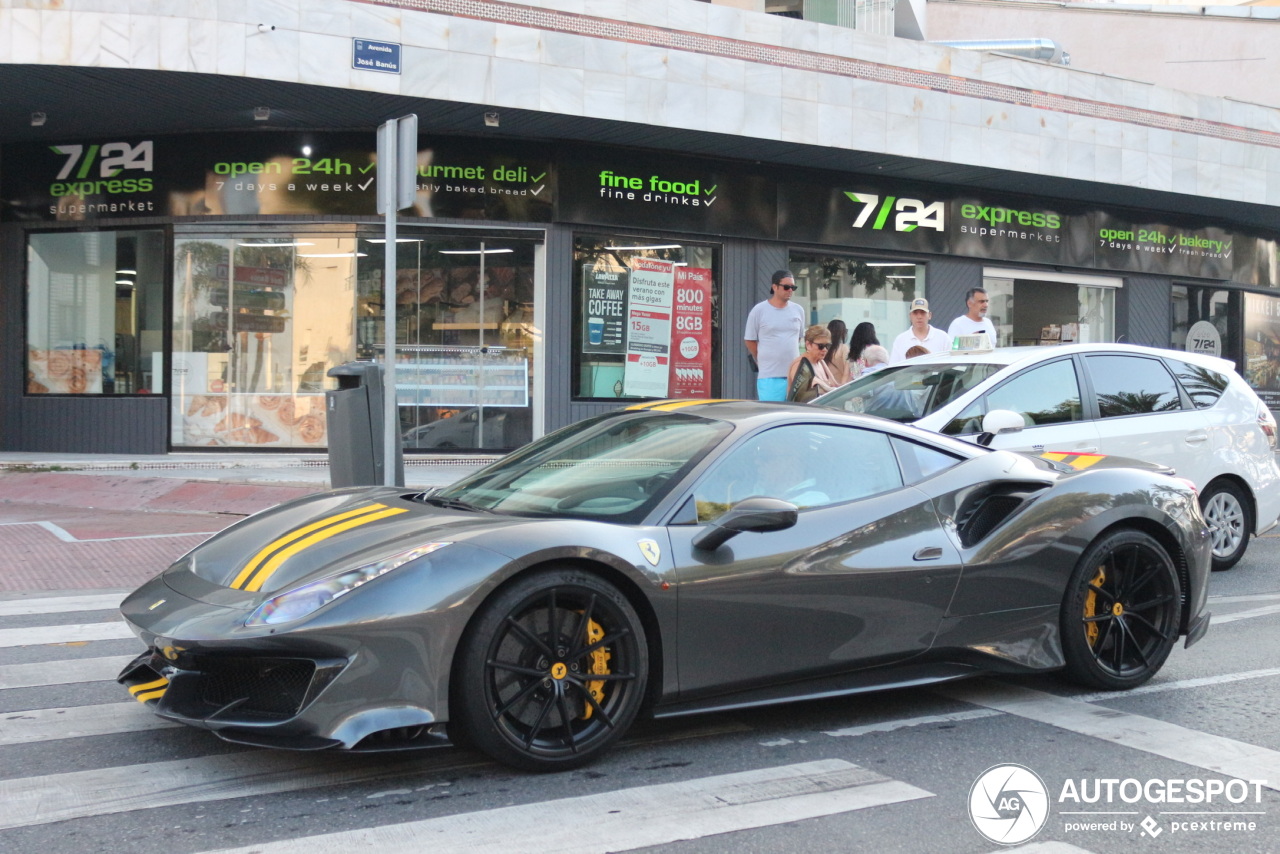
(451, 503)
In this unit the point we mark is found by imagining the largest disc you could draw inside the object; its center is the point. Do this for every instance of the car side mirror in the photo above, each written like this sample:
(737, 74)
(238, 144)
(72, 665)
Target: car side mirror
(749, 514)
(998, 422)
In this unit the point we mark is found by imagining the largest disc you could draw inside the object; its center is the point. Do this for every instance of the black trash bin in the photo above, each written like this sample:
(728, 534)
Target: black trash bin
(354, 412)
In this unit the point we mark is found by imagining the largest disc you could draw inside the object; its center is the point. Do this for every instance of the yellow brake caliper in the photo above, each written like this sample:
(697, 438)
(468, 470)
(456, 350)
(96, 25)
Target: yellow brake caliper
(599, 665)
(1090, 607)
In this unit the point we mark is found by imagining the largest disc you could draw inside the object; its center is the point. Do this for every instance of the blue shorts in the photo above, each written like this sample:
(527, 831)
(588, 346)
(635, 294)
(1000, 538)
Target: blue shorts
(771, 388)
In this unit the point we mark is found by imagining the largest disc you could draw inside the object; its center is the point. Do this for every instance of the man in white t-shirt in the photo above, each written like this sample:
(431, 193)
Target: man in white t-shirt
(774, 329)
(921, 333)
(975, 320)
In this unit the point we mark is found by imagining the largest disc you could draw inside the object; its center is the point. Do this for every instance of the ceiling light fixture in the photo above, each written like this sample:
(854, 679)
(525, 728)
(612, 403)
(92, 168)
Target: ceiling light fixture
(126, 272)
(276, 244)
(333, 254)
(474, 251)
(655, 246)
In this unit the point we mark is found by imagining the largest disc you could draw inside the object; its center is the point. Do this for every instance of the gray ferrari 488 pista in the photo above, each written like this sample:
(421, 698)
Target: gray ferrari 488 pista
(675, 557)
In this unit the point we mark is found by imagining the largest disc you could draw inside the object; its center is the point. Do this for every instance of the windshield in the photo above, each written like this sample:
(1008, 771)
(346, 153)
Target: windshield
(615, 467)
(909, 392)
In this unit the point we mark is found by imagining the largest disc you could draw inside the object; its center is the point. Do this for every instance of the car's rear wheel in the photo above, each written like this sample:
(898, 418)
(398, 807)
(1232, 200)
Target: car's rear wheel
(1120, 613)
(1228, 513)
(552, 672)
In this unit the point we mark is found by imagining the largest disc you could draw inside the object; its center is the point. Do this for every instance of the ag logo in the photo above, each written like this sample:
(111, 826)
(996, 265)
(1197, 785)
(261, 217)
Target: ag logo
(911, 213)
(1008, 804)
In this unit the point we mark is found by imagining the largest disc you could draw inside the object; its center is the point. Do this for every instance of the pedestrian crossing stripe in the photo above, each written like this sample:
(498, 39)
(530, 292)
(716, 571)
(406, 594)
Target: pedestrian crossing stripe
(1076, 461)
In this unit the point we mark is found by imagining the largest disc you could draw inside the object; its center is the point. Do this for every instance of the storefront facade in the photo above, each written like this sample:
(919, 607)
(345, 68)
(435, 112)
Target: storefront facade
(183, 291)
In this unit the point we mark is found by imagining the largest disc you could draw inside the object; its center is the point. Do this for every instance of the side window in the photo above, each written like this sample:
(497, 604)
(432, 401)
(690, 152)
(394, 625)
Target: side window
(810, 465)
(920, 461)
(1047, 394)
(1202, 385)
(1132, 385)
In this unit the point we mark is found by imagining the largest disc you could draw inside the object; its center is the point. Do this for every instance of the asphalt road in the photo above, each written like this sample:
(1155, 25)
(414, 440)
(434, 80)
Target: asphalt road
(85, 769)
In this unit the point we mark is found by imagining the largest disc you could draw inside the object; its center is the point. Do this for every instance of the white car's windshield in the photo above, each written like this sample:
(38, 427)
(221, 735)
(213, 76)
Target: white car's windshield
(907, 393)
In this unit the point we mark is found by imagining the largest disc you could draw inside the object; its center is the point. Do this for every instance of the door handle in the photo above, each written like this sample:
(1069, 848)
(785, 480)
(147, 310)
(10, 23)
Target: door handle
(1093, 450)
(928, 553)
(1196, 438)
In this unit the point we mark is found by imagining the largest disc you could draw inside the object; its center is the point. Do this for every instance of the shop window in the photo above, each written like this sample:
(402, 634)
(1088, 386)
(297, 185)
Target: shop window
(1262, 347)
(1030, 309)
(646, 318)
(258, 321)
(465, 336)
(858, 290)
(95, 312)
(1206, 320)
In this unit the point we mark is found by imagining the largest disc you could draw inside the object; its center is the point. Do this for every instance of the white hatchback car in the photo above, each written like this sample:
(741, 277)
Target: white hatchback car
(1190, 412)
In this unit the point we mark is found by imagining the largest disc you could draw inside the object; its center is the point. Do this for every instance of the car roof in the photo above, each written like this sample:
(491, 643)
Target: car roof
(750, 414)
(1017, 355)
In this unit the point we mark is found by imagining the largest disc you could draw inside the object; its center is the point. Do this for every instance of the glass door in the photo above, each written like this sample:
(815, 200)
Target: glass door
(465, 336)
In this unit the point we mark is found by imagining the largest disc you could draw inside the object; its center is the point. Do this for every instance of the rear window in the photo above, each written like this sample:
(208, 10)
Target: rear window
(1132, 385)
(1203, 385)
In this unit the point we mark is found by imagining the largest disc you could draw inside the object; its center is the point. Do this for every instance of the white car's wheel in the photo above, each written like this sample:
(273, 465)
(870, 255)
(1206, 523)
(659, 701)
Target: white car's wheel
(1227, 511)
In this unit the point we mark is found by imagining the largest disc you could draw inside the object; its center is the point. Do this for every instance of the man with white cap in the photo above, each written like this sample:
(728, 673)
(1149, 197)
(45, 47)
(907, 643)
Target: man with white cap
(921, 333)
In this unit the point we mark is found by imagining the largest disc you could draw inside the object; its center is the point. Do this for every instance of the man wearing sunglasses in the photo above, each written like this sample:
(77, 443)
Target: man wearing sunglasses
(774, 329)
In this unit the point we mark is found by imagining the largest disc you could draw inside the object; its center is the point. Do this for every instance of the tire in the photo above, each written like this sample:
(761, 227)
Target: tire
(1120, 612)
(1230, 518)
(529, 665)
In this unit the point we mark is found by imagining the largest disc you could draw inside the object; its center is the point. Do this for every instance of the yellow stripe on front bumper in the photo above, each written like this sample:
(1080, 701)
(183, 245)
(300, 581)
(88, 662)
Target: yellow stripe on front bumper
(272, 565)
(147, 690)
(257, 560)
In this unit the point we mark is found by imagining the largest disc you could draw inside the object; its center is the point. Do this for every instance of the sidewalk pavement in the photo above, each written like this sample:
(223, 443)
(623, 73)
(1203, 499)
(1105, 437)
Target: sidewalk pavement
(81, 522)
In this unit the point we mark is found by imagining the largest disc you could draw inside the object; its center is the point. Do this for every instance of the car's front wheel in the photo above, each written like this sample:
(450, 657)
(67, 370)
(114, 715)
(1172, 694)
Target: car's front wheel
(1228, 513)
(1120, 613)
(551, 672)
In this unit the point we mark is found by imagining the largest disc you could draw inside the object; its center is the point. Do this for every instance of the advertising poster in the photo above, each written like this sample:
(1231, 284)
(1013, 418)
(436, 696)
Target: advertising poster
(604, 298)
(691, 334)
(1262, 347)
(648, 351)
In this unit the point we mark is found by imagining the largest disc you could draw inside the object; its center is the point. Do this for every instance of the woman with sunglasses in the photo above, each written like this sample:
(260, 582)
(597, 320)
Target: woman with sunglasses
(810, 374)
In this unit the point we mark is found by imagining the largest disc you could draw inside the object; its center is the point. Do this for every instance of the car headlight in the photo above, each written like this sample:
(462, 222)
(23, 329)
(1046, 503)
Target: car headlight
(301, 601)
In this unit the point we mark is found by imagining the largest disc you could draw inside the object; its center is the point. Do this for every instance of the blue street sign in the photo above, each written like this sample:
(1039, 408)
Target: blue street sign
(369, 55)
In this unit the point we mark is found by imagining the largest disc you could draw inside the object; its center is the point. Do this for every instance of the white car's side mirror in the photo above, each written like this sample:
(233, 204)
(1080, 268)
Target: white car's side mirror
(999, 421)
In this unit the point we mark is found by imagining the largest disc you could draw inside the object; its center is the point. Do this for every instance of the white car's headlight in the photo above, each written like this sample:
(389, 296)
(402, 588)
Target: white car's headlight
(301, 601)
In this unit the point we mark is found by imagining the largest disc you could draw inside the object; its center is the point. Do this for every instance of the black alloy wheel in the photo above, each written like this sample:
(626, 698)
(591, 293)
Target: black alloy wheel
(552, 672)
(1120, 613)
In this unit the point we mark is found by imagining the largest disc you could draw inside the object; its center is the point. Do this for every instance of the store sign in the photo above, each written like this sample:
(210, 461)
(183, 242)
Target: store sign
(334, 174)
(1203, 338)
(667, 193)
(269, 173)
(691, 334)
(648, 351)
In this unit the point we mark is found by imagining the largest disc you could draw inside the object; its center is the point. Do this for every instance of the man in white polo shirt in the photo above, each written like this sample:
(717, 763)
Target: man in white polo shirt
(975, 320)
(921, 333)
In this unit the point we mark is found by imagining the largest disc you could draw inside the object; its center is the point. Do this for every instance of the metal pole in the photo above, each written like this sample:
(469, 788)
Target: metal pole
(391, 413)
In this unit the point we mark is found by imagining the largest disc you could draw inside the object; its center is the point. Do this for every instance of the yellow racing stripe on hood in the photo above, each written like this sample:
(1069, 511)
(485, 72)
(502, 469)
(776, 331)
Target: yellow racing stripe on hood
(252, 565)
(680, 403)
(1076, 461)
(272, 565)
